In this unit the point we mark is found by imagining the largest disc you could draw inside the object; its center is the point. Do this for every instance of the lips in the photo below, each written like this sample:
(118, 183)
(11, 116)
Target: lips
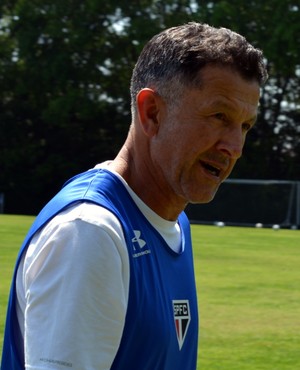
(216, 166)
(213, 169)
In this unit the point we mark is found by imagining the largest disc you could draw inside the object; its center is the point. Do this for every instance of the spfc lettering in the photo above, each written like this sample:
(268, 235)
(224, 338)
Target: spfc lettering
(182, 318)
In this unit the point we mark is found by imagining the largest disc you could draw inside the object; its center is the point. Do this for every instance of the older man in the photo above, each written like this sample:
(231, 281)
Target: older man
(105, 277)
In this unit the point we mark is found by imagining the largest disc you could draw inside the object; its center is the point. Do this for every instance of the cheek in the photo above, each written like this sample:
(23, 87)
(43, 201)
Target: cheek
(167, 156)
(176, 144)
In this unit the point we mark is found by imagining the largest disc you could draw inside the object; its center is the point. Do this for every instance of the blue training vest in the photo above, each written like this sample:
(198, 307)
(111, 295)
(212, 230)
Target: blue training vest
(161, 325)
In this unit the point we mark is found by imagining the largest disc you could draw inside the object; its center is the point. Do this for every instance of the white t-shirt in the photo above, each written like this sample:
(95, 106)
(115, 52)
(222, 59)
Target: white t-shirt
(72, 287)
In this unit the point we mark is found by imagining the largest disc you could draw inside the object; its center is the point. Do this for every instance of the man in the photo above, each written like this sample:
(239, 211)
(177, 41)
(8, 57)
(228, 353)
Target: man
(105, 277)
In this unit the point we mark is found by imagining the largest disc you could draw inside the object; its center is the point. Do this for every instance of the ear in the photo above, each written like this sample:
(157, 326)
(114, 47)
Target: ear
(148, 107)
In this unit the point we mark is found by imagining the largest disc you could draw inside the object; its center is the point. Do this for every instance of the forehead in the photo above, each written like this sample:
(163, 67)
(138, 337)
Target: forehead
(224, 87)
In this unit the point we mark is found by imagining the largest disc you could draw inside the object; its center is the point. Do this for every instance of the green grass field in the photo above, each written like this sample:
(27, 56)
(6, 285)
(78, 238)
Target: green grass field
(248, 290)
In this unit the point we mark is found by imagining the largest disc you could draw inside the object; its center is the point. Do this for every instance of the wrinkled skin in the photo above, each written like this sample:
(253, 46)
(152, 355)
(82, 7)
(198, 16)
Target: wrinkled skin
(177, 156)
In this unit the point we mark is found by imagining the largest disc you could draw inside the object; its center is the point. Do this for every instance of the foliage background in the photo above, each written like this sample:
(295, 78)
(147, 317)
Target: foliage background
(65, 67)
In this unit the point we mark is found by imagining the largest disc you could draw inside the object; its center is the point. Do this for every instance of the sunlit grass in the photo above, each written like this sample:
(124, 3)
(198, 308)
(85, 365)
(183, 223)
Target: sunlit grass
(248, 291)
(12, 232)
(249, 298)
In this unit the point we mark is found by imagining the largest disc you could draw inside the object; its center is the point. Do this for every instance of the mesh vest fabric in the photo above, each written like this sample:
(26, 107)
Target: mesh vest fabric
(161, 326)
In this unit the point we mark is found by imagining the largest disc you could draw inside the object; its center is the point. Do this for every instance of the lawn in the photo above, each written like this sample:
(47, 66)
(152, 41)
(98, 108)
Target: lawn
(248, 290)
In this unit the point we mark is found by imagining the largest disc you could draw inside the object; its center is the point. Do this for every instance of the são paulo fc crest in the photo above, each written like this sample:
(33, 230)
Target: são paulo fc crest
(182, 318)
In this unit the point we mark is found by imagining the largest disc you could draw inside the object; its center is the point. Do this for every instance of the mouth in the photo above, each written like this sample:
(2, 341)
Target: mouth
(213, 170)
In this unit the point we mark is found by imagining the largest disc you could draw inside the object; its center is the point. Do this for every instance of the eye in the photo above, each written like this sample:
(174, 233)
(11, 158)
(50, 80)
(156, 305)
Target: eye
(246, 127)
(220, 116)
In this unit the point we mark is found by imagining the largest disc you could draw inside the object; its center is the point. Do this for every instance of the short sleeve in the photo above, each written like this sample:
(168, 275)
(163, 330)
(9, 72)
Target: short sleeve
(76, 281)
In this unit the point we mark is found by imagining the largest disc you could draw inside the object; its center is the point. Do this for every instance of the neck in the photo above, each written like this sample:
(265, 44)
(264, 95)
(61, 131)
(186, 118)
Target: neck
(141, 176)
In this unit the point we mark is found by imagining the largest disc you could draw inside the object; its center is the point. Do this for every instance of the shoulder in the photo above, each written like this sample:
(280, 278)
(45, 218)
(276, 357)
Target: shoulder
(85, 228)
(86, 214)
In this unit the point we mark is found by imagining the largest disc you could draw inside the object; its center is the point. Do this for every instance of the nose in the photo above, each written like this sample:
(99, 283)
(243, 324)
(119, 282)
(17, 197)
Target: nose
(231, 143)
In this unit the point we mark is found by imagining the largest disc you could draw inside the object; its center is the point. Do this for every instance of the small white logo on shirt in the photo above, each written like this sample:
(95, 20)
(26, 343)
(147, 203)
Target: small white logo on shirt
(137, 239)
(141, 244)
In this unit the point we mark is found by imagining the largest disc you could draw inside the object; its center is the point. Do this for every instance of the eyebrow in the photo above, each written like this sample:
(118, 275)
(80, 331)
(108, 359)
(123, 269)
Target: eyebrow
(220, 104)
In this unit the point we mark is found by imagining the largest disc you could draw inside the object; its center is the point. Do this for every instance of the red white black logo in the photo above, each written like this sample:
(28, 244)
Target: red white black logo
(182, 317)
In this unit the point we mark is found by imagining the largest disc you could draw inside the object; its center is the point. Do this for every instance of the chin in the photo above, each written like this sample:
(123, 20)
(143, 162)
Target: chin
(201, 201)
(203, 197)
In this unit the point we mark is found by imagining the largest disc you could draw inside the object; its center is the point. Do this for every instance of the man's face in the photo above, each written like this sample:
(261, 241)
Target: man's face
(199, 141)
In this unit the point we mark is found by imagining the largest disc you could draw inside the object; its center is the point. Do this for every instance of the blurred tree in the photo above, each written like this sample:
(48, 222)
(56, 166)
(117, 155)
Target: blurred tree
(65, 70)
(65, 67)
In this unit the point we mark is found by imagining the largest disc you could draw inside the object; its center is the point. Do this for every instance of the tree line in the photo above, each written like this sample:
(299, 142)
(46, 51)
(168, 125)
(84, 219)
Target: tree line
(65, 67)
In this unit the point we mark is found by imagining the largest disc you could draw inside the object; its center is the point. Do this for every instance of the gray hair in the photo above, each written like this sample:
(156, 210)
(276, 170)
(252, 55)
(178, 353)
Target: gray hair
(173, 58)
